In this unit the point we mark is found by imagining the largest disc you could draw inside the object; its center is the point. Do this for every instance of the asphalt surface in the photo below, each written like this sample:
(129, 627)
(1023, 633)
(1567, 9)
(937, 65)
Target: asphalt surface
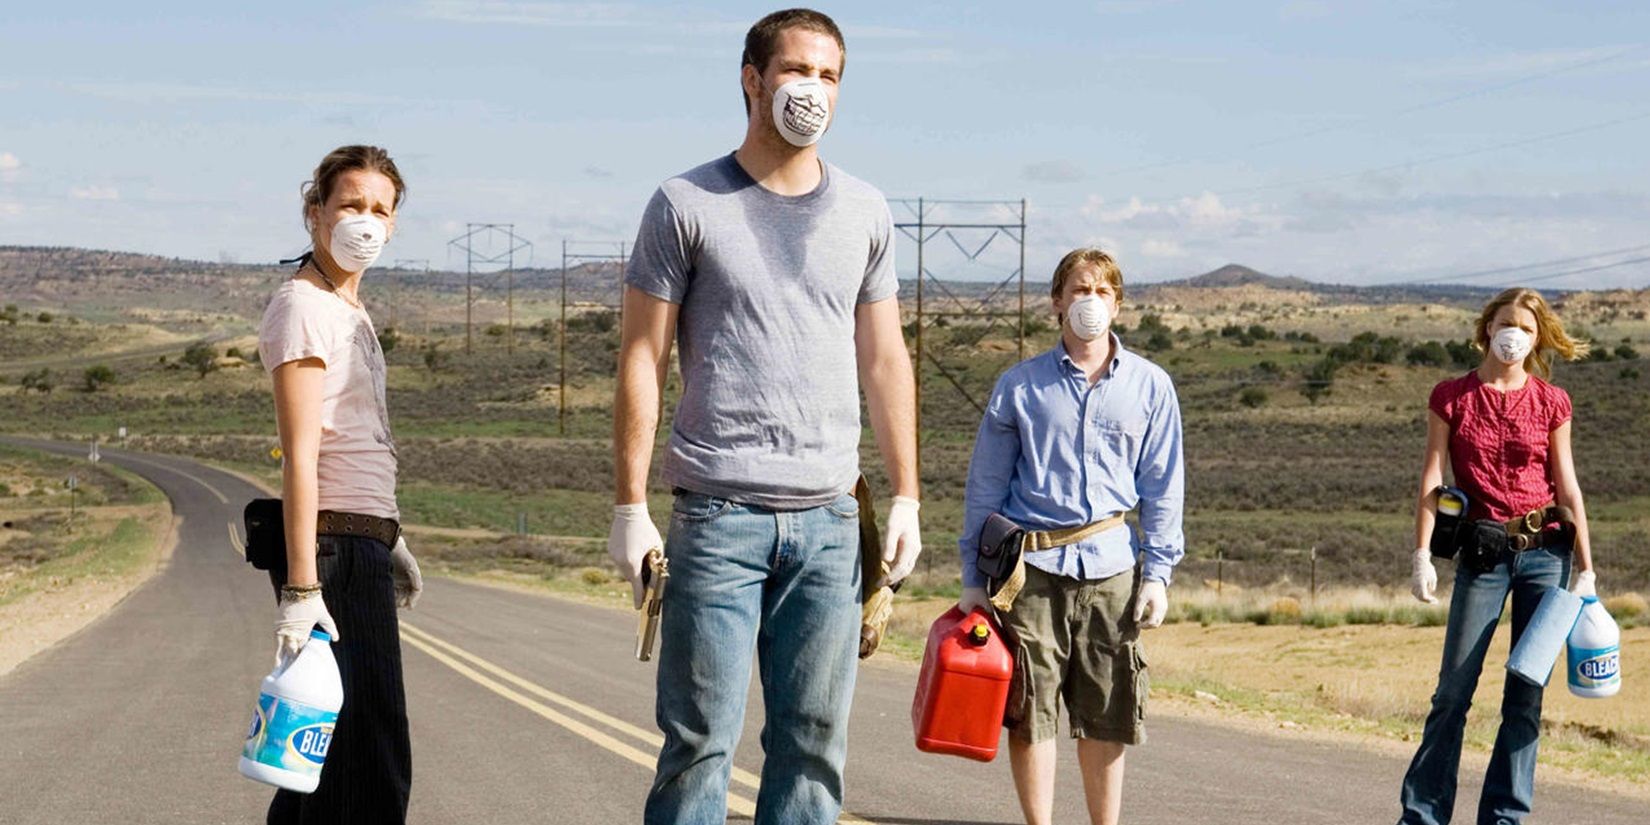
(532, 710)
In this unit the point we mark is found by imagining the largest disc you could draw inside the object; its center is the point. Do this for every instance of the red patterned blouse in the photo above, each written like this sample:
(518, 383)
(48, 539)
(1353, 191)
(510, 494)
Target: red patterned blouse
(1498, 442)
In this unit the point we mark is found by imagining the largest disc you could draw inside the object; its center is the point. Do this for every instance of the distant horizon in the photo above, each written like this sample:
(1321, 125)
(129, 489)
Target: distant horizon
(903, 278)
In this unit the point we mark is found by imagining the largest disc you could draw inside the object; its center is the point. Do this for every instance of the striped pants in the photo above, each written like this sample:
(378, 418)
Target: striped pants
(368, 771)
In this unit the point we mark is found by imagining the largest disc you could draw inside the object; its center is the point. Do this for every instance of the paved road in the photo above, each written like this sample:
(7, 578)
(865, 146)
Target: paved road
(531, 710)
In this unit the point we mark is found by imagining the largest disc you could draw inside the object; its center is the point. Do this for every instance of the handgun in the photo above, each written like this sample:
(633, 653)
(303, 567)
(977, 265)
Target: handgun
(655, 574)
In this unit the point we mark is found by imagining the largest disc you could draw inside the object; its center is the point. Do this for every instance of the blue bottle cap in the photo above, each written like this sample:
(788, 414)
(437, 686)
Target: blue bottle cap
(318, 633)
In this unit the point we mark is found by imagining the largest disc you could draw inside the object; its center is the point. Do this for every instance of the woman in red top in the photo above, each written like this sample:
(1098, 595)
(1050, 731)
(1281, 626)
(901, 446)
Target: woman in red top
(1505, 433)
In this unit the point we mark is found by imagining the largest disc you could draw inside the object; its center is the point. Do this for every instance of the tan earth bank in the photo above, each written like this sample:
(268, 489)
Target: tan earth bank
(58, 607)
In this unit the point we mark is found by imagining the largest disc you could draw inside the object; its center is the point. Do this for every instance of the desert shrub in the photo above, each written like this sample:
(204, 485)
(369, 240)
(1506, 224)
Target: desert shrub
(1627, 606)
(1430, 354)
(201, 358)
(1282, 610)
(96, 377)
(595, 576)
(1626, 352)
(388, 337)
(1151, 322)
(44, 317)
(1252, 397)
(39, 380)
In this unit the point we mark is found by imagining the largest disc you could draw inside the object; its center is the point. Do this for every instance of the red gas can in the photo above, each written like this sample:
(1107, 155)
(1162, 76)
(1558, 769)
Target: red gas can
(963, 686)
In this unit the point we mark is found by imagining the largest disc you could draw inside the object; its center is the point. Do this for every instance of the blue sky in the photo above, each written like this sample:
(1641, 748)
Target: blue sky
(1337, 140)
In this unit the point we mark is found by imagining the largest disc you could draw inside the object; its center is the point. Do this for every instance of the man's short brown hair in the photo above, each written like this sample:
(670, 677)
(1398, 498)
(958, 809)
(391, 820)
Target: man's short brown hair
(763, 38)
(1088, 256)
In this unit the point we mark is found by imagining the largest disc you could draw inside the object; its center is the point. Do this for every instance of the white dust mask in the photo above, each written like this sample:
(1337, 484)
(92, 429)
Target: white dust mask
(1511, 345)
(357, 241)
(801, 111)
(1089, 317)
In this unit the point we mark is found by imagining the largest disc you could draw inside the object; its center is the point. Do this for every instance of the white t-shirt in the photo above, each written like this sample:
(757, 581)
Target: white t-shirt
(356, 468)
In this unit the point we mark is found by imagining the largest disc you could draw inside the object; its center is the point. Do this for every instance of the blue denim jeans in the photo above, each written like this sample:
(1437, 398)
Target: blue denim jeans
(785, 584)
(1475, 609)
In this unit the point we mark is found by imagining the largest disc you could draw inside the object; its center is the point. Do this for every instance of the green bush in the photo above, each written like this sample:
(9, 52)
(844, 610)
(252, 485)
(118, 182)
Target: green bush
(1252, 397)
(96, 377)
(201, 357)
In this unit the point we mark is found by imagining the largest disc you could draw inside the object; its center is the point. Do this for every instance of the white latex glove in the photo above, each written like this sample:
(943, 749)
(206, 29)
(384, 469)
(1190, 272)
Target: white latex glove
(632, 535)
(1151, 604)
(297, 619)
(1586, 584)
(974, 598)
(1423, 577)
(409, 583)
(902, 540)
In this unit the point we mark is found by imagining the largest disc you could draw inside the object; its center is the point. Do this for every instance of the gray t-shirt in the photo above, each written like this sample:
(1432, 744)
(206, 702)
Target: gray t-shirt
(768, 285)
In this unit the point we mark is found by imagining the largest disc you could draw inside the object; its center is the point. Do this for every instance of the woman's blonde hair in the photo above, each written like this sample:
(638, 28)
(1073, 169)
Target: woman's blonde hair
(1550, 336)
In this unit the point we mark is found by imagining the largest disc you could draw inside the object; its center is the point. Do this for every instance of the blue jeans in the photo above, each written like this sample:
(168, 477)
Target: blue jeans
(786, 583)
(1475, 609)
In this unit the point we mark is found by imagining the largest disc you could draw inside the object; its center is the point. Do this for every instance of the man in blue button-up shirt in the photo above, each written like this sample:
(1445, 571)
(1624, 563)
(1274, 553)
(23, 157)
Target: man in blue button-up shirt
(1074, 435)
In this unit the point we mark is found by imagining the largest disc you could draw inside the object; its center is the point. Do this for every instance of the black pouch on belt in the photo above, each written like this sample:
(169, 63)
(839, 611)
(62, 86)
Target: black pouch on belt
(999, 548)
(265, 534)
(1482, 545)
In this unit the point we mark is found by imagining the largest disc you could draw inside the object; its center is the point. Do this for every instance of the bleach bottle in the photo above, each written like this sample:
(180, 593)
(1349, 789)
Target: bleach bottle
(1595, 652)
(292, 724)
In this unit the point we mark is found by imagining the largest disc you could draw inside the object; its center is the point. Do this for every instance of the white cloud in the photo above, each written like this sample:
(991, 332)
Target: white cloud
(9, 162)
(95, 193)
(1131, 6)
(1052, 171)
(1205, 212)
(150, 93)
(10, 209)
(580, 15)
(1158, 248)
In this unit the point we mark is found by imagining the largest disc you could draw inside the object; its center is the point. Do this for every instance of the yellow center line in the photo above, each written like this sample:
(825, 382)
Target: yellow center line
(191, 476)
(448, 653)
(736, 803)
(235, 538)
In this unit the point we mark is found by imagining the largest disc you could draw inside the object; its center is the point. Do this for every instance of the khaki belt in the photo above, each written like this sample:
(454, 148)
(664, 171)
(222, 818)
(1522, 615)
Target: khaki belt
(1033, 540)
(334, 523)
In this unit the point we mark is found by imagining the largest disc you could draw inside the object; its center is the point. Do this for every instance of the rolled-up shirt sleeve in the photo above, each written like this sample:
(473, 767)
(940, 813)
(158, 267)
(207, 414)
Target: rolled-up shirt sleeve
(996, 452)
(1160, 479)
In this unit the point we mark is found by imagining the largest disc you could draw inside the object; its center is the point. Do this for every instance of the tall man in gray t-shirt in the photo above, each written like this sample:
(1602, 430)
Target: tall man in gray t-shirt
(775, 272)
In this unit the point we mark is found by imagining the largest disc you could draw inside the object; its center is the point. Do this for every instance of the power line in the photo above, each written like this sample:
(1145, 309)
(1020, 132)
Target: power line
(1422, 161)
(1506, 269)
(1553, 275)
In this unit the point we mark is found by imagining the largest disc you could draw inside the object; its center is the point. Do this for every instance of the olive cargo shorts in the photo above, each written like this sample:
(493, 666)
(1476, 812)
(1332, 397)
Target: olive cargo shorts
(1076, 644)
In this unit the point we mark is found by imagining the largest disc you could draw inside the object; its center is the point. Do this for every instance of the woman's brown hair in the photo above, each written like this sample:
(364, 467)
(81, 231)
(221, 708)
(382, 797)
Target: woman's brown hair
(318, 188)
(1550, 336)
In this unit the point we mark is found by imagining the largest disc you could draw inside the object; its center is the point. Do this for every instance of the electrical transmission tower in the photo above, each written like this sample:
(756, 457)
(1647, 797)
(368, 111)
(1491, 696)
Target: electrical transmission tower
(983, 239)
(498, 243)
(573, 253)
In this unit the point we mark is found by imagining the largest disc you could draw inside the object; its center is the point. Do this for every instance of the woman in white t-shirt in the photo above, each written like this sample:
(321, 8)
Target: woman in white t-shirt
(346, 567)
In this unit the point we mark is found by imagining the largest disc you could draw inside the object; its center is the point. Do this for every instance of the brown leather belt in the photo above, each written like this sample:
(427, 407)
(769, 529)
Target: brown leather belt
(1526, 533)
(334, 523)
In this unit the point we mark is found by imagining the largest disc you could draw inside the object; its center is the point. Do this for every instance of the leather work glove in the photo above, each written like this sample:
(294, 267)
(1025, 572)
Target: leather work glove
(409, 583)
(1151, 604)
(974, 598)
(298, 617)
(1586, 584)
(632, 535)
(1423, 578)
(902, 541)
